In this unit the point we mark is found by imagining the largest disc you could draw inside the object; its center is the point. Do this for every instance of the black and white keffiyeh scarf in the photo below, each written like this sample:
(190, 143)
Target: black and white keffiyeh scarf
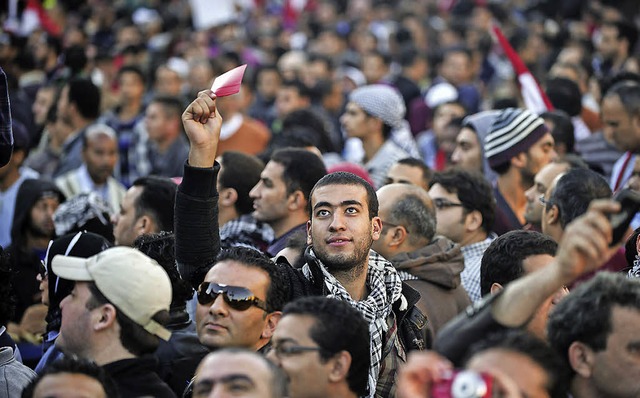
(385, 288)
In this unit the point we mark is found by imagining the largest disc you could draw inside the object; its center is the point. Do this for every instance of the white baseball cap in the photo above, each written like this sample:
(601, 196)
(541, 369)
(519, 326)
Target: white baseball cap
(129, 279)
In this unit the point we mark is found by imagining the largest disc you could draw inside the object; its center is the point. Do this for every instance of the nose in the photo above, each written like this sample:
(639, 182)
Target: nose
(114, 219)
(455, 156)
(254, 193)
(530, 194)
(218, 307)
(337, 222)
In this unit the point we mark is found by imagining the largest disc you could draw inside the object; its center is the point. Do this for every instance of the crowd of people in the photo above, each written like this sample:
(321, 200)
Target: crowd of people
(381, 211)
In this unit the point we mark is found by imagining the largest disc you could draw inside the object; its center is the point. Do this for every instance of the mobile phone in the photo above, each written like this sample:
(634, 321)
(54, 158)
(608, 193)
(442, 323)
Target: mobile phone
(630, 204)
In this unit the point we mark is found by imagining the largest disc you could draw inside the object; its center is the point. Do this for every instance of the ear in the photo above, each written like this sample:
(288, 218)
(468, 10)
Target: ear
(340, 365)
(496, 287)
(376, 228)
(520, 160)
(269, 328)
(228, 197)
(106, 317)
(638, 244)
(296, 201)
(398, 236)
(145, 225)
(552, 215)
(473, 221)
(309, 241)
(581, 358)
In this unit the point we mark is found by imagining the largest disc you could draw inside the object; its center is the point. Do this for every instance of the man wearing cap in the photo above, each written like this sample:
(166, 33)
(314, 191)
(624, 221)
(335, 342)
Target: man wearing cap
(114, 316)
(374, 114)
(517, 147)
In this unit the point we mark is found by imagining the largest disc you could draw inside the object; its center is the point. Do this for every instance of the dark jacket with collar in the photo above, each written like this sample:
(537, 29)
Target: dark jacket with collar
(136, 377)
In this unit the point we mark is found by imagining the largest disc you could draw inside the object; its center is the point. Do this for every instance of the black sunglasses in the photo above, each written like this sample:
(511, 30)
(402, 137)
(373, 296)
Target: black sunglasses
(238, 298)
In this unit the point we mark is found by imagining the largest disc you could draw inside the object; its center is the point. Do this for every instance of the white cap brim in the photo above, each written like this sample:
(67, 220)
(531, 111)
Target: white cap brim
(71, 268)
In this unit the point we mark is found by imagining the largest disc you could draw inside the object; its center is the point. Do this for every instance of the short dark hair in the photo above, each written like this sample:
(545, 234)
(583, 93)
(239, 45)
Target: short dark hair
(338, 327)
(629, 94)
(161, 247)
(523, 342)
(133, 337)
(585, 314)
(427, 173)
(473, 190)
(346, 178)
(85, 96)
(563, 130)
(316, 133)
(565, 95)
(302, 169)
(574, 191)
(626, 30)
(279, 383)
(416, 213)
(172, 106)
(502, 261)
(298, 85)
(75, 365)
(135, 70)
(157, 200)
(241, 172)
(278, 290)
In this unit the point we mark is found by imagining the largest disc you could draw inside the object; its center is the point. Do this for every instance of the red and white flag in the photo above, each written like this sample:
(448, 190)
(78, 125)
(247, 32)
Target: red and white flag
(534, 98)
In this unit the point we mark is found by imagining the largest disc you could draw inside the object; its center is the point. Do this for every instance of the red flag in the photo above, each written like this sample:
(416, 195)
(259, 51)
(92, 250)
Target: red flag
(534, 98)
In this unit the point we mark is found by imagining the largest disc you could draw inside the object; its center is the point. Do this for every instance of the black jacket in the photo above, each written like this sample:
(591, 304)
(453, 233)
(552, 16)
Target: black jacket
(136, 377)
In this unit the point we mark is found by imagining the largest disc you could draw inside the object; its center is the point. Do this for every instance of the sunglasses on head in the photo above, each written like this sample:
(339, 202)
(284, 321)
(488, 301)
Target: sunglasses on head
(238, 298)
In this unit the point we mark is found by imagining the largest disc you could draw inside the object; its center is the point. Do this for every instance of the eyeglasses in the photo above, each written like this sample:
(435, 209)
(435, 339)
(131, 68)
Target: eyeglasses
(238, 298)
(543, 200)
(442, 203)
(285, 350)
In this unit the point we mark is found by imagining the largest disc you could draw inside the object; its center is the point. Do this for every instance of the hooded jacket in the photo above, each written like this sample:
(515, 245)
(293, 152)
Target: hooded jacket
(437, 268)
(26, 263)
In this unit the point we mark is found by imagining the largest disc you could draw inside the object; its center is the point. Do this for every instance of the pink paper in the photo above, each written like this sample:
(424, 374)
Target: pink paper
(228, 83)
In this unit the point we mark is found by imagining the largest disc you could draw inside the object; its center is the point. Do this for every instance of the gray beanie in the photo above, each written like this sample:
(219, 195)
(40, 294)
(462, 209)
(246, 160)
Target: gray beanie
(380, 101)
(514, 131)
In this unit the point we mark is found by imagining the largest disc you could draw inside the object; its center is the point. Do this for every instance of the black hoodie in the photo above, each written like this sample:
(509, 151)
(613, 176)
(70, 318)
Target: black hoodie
(25, 263)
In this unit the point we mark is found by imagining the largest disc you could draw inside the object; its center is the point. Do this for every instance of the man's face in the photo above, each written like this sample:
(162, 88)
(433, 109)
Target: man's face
(340, 229)
(538, 324)
(615, 370)
(155, 120)
(308, 374)
(530, 378)
(76, 325)
(268, 84)
(355, 122)
(100, 156)
(373, 68)
(450, 217)
(541, 183)
(126, 227)
(131, 87)
(41, 223)
(219, 325)
(456, 68)
(538, 156)
(288, 99)
(167, 82)
(40, 108)
(232, 375)
(76, 385)
(620, 128)
(405, 174)
(64, 105)
(468, 154)
(609, 43)
(270, 199)
(443, 115)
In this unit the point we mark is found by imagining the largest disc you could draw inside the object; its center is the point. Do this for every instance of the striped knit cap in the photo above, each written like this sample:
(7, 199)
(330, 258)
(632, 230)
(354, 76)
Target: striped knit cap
(514, 131)
(381, 101)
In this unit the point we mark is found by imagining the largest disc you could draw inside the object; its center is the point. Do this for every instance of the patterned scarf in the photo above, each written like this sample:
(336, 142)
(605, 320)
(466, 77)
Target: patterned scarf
(385, 289)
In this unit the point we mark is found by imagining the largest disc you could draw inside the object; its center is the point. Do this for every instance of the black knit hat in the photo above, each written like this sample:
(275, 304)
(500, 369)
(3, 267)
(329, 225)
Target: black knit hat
(514, 131)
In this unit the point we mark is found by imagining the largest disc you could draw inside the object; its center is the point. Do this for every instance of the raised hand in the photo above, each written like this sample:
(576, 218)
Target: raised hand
(585, 242)
(202, 123)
